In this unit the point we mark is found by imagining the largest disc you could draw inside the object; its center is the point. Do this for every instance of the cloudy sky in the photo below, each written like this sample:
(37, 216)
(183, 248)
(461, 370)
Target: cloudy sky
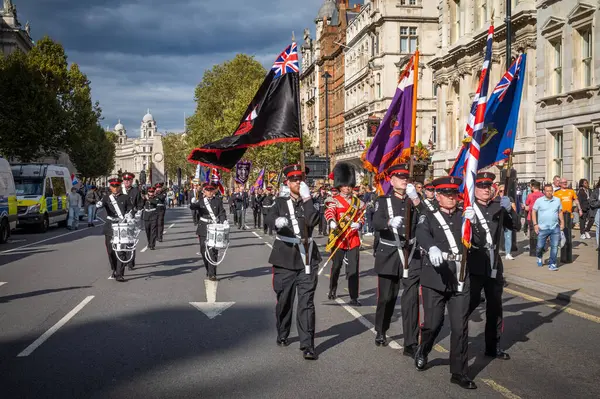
(143, 54)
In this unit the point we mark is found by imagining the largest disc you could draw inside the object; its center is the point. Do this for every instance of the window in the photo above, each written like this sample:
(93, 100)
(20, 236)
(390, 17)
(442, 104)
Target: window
(433, 137)
(587, 146)
(481, 14)
(586, 57)
(58, 184)
(558, 153)
(408, 2)
(435, 90)
(378, 86)
(408, 39)
(455, 28)
(557, 66)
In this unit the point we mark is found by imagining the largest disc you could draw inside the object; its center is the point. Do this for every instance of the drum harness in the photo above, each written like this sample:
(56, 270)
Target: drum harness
(212, 220)
(297, 240)
(396, 243)
(122, 219)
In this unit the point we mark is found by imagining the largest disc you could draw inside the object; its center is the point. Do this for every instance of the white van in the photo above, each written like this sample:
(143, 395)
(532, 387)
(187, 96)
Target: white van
(42, 194)
(8, 201)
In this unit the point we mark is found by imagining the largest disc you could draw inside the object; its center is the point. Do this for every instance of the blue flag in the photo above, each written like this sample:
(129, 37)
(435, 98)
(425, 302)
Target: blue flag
(501, 119)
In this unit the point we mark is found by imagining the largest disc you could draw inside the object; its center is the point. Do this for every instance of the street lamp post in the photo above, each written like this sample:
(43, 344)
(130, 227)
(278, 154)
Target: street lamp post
(326, 76)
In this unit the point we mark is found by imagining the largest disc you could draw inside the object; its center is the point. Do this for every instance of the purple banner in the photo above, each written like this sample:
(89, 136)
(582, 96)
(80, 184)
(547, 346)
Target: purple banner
(242, 171)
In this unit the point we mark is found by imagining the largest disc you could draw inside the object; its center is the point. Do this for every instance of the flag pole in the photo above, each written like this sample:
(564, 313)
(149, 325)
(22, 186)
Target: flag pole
(413, 130)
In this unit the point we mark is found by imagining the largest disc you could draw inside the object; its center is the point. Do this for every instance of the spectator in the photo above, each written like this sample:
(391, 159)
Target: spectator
(567, 197)
(548, 221)
(587, 215)
(507, 232)
(556, 183)
(531, 198)
(74, 205)
(91, 198)
(594, 202)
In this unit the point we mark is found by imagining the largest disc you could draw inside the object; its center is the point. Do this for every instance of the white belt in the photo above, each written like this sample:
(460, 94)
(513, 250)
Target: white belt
(205, 220)
(298, 241)
(113, 219)
(150, 210)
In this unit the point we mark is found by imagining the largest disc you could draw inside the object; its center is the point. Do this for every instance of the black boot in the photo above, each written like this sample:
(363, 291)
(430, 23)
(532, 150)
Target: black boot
(282, 342)
(420, 358)
(410, 351)
(355, 302)
(310, 354)
(380, 339)
(498, 354)
(463, 381)
(331, 294)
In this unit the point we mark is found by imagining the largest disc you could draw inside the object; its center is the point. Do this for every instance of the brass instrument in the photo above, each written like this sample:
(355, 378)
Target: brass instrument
(344, 224)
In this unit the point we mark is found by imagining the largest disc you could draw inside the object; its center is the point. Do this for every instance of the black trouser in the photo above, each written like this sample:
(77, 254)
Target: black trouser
(161, 223)
(195, 216)
(151, 227)
(350, 259)
(493, 288)
(266, 226)
(586, 221)
(116, 265)
(409, 302)
(387, 294)
(257, 216)
(323, 225)
(434, 305)
(211, 270)
(285, 284)
(239, 215)
(235, 215)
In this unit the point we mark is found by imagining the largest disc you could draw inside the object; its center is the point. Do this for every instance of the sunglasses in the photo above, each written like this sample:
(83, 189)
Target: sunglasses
(295, 179)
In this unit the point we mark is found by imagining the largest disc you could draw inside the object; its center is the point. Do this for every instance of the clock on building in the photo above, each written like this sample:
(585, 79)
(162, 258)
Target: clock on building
(158, 157)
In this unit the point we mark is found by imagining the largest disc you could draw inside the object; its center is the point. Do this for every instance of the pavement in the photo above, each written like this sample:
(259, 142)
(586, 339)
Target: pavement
(66, 331)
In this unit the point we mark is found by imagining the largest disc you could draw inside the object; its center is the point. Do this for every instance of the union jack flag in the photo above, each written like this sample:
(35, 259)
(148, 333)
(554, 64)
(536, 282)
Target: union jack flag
(287, 62)
(508, 77)
(477, 116)
(215, 178)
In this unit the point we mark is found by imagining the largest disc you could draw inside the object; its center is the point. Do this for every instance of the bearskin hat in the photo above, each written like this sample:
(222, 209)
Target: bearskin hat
(344, 175)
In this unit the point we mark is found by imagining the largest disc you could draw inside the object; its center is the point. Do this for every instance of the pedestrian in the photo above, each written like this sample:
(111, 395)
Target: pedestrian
(150, 216)
(548, 221)
(508, 233)
(587, 218)
(396, 251)
(210, 210)
(118, 208)
(267, 202)
(346, 210)
(595, 207)
(487, 216)
(161, 209)
(533, 196)
(295, 267)
(91, 197)
(319, 202)
(440, 237)
(74, 204)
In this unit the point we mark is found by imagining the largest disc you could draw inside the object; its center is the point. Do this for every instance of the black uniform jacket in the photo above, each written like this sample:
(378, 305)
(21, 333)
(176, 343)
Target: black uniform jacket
(218, 209)
(319, 202)
(387, 259)
(162, 202)
(267, 202)
(123, 202)
(285, 254)
(135, 196)
(430, 234)
(150, 209)
(478, 258)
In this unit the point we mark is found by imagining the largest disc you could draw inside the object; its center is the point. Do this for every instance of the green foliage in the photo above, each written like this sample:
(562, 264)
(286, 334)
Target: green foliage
(94, 153)
(222, 97)
(176, 150)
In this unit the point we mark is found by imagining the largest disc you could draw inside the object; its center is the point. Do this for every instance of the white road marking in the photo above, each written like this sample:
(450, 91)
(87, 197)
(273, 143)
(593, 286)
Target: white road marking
(55, 328)
(500, 389)
(268, 245)
(47, 239)
(256, 234)
(211, 290)
(167, 229)
(212, 310)
(322, 268)
(2, 283)
(15, 241)
(111, 277)
(144, 249)
(391, 343)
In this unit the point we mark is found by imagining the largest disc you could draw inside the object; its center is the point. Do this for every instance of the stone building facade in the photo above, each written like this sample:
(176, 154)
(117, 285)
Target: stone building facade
(13, 36)
(380, 42)
(568, 90)
(140, 153)
(309, 90)
(462, 34)
(331, 23)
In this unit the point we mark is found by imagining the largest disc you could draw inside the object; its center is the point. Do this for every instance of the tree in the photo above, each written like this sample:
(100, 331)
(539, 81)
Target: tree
(94, 154)
(222, 97)
(176, 150)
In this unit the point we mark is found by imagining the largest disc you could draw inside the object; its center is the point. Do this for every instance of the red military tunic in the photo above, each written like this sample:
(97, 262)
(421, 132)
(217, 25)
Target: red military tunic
(336, 207)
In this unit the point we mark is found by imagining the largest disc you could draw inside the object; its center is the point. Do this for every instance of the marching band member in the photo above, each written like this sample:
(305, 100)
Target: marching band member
(118, 207)
(150, 216)
(211, 210)
(395, 250)
(256, 205)
(485, 217)
(320, 205)
(440, 236)
(267, 203)
(161, 209)
(429, 196)
(295, 267)
(135, 196)
(345, 207)
(195, 194)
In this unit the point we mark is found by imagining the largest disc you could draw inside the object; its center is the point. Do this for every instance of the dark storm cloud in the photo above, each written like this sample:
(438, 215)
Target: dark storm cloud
(143, 54)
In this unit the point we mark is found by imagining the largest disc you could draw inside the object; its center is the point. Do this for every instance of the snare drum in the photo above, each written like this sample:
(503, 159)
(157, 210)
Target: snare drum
(124, 234)
(217, 235)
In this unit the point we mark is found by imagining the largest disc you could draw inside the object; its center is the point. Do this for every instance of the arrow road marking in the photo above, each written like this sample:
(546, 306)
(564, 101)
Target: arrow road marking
(211, 308)
(29, 350)
(2, 283)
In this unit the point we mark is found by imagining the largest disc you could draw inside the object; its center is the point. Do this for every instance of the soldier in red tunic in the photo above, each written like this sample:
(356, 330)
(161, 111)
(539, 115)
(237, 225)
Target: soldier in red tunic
(345, 209)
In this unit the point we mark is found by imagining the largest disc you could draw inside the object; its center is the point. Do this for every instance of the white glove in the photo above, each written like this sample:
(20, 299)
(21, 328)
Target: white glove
(469, 214)
(226, 223)
(332, 225)
(396, 221)
(355, 226)
(99, 204)
(563, 239)
(194, 200)
(305, 191)
(281, 222)
(138, 214)
(435, 256)
(129, 217)
(411, 191)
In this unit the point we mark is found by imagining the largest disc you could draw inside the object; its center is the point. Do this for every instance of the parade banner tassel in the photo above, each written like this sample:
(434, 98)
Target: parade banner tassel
(475, 132)
(272, 117)
(392, 142)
